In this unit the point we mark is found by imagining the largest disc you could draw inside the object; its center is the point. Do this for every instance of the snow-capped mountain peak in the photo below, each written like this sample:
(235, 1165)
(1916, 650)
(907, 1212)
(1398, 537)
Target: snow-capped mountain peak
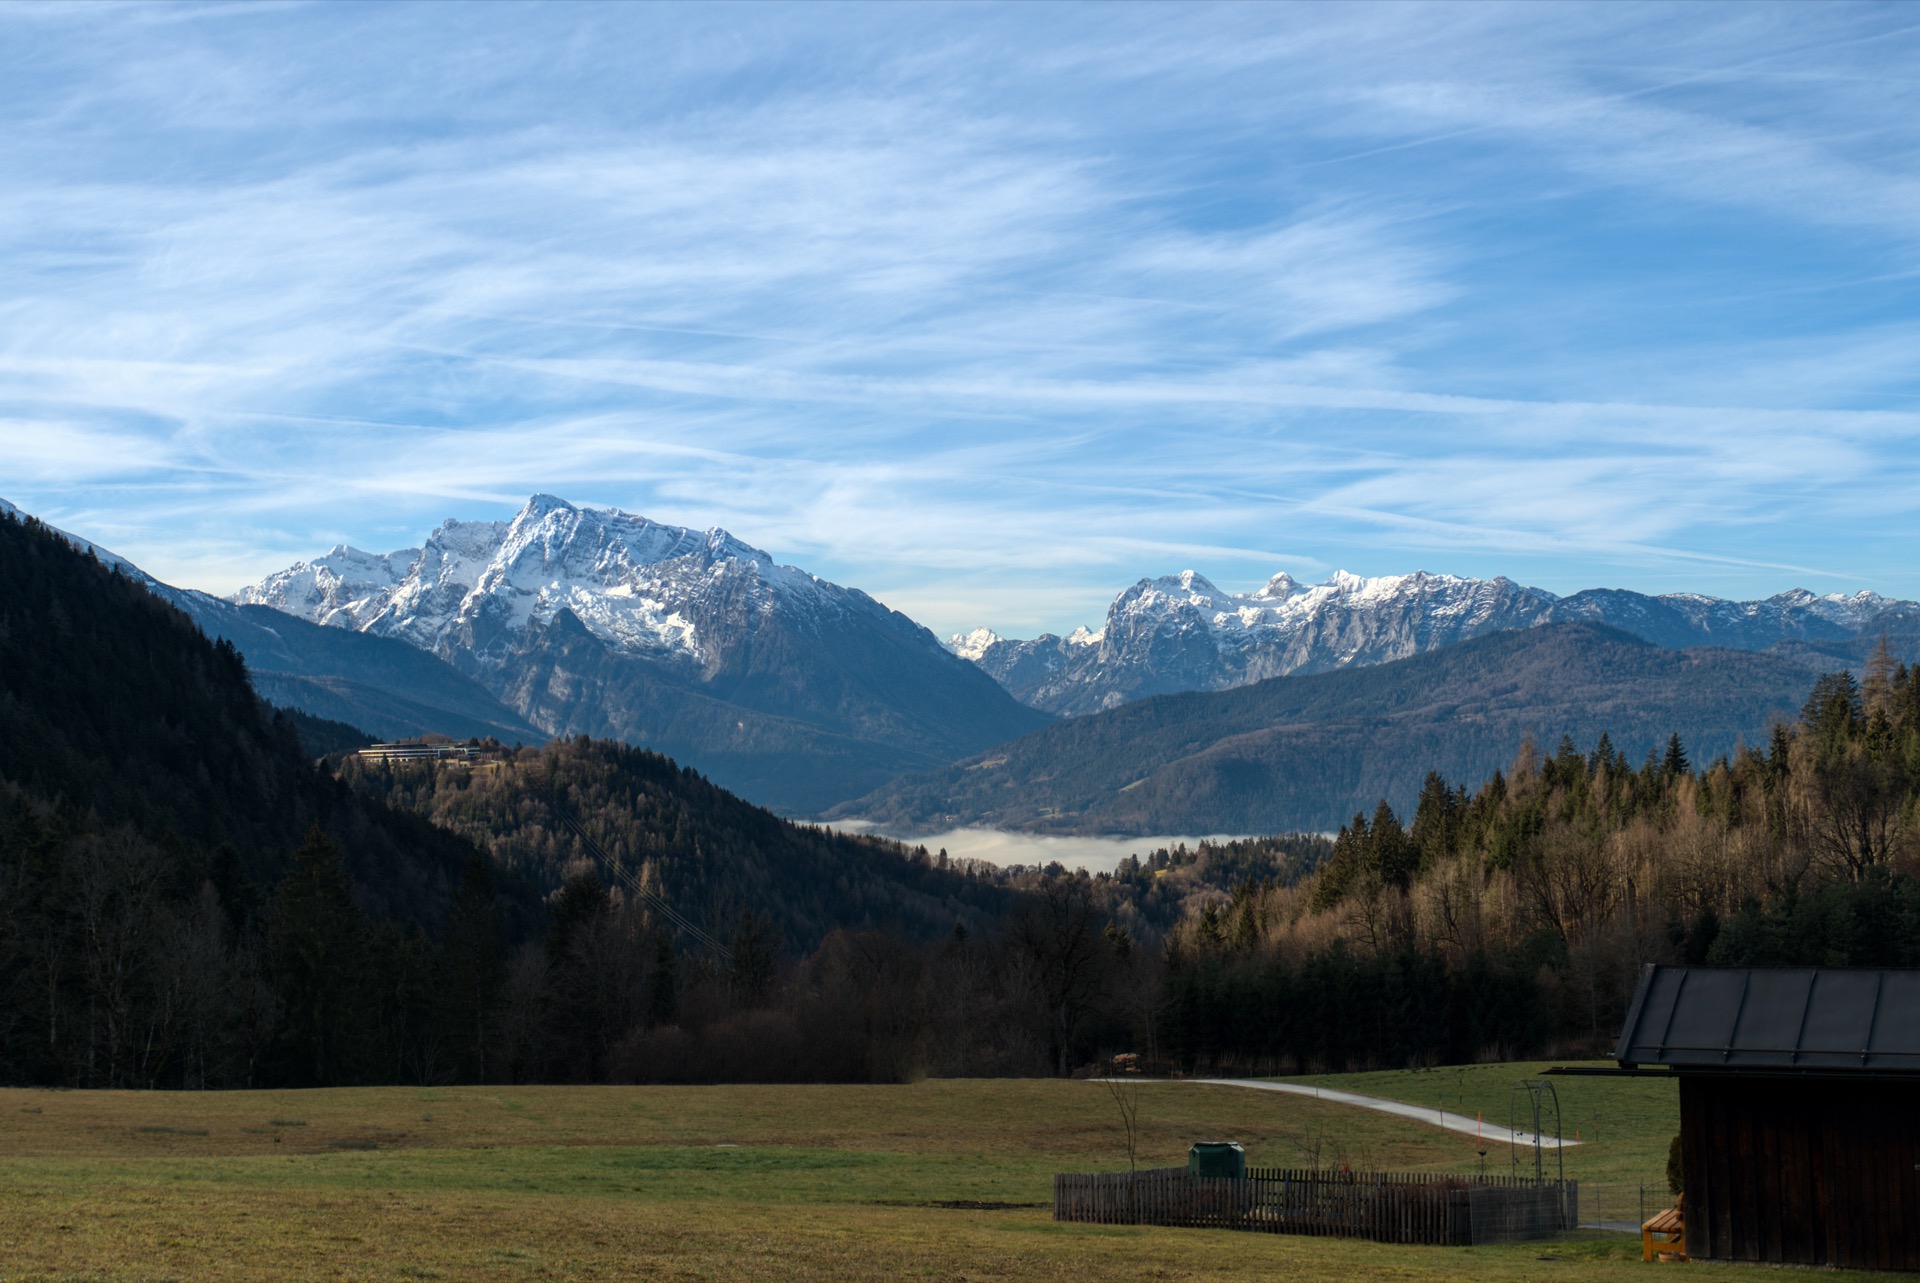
(1853, 610)
(1181, 632)
(971, 646)
(1279, 588)
(346, 587)
(1348, 584)
(1191, 581)
(597, 621)
(475, 587)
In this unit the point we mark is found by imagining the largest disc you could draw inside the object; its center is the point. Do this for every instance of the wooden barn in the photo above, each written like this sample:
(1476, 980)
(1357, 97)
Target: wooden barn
(1799, 1109)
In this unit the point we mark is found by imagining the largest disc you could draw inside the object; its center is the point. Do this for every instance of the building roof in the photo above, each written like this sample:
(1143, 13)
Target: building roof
(411, 750)
(1806, 1019)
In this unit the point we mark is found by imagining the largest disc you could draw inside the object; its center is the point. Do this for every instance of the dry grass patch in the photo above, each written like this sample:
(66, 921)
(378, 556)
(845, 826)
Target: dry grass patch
(939, 1180)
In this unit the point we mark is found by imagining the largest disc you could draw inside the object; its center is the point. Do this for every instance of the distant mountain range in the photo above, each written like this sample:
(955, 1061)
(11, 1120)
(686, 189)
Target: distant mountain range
(1308, 751)
(1181, 633)
(115, 707)
(191, 901)
(802, 695)
(791, 690)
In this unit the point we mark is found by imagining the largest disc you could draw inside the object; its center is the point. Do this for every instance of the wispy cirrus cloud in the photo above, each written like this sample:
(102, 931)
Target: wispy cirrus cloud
(987, 310)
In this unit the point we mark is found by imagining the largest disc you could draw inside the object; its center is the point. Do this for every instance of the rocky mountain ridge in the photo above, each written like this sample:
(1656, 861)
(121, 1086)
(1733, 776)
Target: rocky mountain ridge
(1181, 633)
(1308, 751)
(792, 690)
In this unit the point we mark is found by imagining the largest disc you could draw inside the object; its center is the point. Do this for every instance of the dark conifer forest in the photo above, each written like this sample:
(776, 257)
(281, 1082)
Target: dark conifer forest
(193, 896)
(632, 818)
(165, 840)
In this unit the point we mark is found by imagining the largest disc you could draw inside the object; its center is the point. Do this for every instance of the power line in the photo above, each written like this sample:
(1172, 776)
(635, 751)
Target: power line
(652, 899)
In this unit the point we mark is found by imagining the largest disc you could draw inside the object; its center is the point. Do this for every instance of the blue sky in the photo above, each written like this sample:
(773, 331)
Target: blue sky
(987, 310)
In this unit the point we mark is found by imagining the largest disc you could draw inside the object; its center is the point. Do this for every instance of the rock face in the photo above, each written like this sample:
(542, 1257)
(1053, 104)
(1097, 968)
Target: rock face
(1308, 752)
(791, 690)
(1181, 633)
(1683, 620)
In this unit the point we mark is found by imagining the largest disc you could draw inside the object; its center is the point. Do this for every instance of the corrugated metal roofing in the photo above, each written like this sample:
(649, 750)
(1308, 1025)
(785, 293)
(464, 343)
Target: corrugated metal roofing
(1804, 1018)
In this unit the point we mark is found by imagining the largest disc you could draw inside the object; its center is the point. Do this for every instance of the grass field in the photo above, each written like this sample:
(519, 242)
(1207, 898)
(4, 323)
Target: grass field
(1623, 1124)
(940, 1180)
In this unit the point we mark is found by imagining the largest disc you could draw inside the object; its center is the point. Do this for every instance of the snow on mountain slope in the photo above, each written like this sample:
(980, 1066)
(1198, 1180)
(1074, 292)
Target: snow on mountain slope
(640, 587)
(106, 558)
(344, 588)
(971, 646)
(1181, 632)
(795, 690)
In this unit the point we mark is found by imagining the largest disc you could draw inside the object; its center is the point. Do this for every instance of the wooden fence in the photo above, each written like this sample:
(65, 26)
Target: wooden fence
(1388, 1207)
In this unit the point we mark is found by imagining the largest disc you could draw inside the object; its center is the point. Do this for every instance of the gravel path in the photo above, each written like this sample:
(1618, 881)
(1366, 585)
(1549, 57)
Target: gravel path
(1419, 1113)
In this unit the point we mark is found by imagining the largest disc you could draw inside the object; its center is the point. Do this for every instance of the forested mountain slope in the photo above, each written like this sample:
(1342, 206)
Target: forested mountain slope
(390, 689)
(186, 901)
(712, 856)
(184, 898)
(1306, 752)
(1567, 873)
(386, 687)
(116, 709)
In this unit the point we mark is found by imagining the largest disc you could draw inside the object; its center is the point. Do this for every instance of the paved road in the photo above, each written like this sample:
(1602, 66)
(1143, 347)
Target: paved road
(1418, 1113)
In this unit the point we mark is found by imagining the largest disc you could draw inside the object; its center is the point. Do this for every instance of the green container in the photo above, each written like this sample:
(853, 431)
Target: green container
(1217, 1158)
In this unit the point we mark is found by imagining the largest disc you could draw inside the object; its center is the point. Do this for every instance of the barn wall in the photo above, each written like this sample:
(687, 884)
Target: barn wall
(1802, 1171)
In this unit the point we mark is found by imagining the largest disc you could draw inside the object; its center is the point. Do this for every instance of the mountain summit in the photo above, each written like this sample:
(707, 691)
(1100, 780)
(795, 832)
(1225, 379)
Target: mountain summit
(1181, 633)
(789, 689)
(633, 583)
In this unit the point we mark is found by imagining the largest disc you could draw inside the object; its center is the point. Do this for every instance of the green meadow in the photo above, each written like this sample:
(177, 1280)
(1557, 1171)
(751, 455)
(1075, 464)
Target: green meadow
(945, 1179)
(1622, 1126)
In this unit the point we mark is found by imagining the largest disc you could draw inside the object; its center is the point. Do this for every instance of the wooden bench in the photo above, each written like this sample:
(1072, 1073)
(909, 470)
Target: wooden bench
(1671, 1227)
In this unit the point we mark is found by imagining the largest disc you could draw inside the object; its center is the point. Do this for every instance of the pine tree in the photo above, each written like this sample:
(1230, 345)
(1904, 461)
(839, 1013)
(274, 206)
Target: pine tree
(580, 903)
(317, 949)
(663, 985)
(1436, 821)
(1877, 691)
(1602, 756)
(1344, 866)
(1393, 856)
(1832, 712)
(1675, 763)
(469, 972)
(754, 959)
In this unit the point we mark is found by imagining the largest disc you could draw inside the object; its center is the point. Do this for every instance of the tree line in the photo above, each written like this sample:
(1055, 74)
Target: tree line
(1504, 922)
(187, 900)
(1514, 919)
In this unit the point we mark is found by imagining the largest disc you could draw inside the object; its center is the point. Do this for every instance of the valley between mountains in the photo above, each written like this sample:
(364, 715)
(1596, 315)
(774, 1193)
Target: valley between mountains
(1308, 753)
(1190, 709)
(1287, 708)
(198, 888)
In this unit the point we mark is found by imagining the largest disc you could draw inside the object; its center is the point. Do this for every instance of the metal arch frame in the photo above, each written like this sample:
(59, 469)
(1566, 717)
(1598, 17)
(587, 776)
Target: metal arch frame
(1537, 1089)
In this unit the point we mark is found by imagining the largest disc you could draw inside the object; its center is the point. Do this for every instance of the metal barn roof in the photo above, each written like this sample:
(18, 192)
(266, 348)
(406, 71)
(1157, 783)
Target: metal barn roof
(1794, 1019)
